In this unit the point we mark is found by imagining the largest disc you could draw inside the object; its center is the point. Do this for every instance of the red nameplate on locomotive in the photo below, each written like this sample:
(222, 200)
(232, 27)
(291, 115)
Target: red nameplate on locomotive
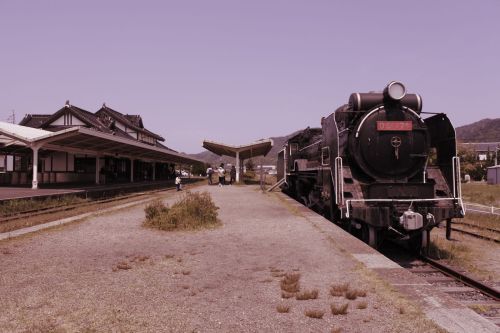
(394, 126)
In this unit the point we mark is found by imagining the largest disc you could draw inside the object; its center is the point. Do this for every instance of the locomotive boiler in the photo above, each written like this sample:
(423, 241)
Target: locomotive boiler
(377, 167)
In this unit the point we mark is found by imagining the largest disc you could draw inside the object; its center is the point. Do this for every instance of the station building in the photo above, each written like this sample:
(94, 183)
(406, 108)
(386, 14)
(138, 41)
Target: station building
(77, 146)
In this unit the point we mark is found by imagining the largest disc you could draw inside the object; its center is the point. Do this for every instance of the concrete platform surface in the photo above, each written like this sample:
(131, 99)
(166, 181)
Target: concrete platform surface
(110, 274)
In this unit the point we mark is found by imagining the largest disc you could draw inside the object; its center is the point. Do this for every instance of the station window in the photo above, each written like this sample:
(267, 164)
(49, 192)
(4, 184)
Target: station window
(325, 156)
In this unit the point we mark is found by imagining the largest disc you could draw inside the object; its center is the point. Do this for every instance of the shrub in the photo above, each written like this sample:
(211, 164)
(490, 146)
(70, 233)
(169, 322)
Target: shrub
(282, 308)
(307, 294)
(154, 209)
(192, 211)
(290, 282)
(317, 314)
(339, 309)
(337, 290)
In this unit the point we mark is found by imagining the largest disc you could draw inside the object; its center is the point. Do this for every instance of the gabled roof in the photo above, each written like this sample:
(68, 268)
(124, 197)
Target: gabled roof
(258, 148)
(85, 116)
(86, 141)
(131, 121)
(34, 120)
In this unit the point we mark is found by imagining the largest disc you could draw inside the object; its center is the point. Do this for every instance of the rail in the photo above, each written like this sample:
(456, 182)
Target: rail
(492, 292)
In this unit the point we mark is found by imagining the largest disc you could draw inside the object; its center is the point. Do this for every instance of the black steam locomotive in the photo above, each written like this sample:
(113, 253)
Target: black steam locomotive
(377, 168)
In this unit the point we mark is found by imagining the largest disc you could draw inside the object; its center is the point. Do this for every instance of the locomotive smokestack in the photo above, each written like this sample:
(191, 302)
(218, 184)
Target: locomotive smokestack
(395, 90)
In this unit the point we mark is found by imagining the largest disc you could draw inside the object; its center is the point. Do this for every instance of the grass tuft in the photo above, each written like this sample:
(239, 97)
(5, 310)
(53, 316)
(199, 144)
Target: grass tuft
(282, 308)
(362, 305)
(12, 207)
(185, 272)
(339, 309)
(123, 265)
(192, 212)
(307, 294)
(290, 282)
(351, 294)
(338, 290)
(317, 314)
(336, 330)
(286, 295)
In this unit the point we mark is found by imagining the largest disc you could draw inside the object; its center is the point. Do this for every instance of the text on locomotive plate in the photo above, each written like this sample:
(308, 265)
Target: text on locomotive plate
(394, 126)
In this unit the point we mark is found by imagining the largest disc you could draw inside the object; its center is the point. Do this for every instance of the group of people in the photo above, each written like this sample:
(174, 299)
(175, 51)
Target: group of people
(222, 175)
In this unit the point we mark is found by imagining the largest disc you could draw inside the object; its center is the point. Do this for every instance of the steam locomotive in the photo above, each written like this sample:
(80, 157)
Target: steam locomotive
(377, 168)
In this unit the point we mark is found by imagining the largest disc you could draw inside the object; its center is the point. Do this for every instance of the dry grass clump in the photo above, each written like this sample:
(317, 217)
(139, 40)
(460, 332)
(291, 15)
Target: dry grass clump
(362, 305)
(351, 294)
(339, 309)
(455, 252)
(338, 290)
(290, 283)
(317, 314)
(122, 265)
(185, 272)
(286, 295)
(307, 294)
(282, 308)
(12, 207)
(360, 292)
(336, 330)
(193, 211)
(140, 258)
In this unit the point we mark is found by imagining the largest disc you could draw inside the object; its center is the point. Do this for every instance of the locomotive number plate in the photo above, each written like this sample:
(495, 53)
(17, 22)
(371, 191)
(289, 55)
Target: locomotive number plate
(394, 126)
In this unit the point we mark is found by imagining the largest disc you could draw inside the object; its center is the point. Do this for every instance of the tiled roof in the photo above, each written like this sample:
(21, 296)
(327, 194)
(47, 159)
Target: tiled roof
(34, 120)
(85, 116)
(132, 121)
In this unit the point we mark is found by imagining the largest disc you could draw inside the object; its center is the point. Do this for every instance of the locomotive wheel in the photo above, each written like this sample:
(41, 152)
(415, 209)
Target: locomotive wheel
(370, 235)
(420, 243)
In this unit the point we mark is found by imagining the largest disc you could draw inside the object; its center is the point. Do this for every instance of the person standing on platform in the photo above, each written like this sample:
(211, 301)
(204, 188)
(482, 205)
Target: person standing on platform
(222, 174)
(210, 172)
(232, 173)
(178, 183)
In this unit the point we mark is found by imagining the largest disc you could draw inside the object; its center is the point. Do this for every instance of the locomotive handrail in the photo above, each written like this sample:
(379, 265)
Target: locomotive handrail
(339, 181)
(457, 185)
(393, 200)
(312, 144)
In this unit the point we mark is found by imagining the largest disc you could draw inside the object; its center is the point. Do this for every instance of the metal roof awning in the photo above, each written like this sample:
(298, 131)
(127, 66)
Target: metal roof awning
(81, 140)
(258, 148)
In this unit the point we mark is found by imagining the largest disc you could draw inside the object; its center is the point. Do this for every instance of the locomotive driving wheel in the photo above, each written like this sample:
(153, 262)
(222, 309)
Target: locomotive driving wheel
(370, 235)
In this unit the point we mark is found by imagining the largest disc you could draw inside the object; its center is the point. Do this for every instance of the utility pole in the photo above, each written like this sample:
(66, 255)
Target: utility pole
(12, 117)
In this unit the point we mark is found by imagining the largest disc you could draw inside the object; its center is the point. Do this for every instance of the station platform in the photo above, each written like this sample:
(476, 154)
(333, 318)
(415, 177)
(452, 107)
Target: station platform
(84, 190)
(110, 273)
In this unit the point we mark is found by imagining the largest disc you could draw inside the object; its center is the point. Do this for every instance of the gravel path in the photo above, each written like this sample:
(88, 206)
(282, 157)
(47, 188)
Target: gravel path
(222, 280)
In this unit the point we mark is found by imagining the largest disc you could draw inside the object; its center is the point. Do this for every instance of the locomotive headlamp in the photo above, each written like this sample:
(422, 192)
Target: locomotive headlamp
(395, 90)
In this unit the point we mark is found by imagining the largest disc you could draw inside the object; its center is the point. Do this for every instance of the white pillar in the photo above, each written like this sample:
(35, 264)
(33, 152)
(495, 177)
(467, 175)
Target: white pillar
(237, 166)
(34, 182)
(131, 170)
(154, 171)
(97, 169)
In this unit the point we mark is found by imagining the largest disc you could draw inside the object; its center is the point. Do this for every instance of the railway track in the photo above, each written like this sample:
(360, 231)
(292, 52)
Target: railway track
(56, 209)
(482, 298)
(478, 229)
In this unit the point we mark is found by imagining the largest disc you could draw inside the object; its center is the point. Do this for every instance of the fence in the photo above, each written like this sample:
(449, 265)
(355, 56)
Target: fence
(477, 208)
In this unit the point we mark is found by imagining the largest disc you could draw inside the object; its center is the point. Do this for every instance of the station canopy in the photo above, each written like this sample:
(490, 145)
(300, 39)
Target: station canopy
(258, 148)
(81, 140)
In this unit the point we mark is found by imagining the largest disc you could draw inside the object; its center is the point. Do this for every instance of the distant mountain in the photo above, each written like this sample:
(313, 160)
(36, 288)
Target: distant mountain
(269, 159)
(486, 130)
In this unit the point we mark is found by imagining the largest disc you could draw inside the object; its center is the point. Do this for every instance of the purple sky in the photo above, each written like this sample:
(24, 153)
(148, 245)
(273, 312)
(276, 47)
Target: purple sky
(237, 71)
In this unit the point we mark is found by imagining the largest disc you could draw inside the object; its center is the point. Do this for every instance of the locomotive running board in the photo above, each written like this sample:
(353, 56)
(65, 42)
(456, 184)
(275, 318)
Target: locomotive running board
(282, 181)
